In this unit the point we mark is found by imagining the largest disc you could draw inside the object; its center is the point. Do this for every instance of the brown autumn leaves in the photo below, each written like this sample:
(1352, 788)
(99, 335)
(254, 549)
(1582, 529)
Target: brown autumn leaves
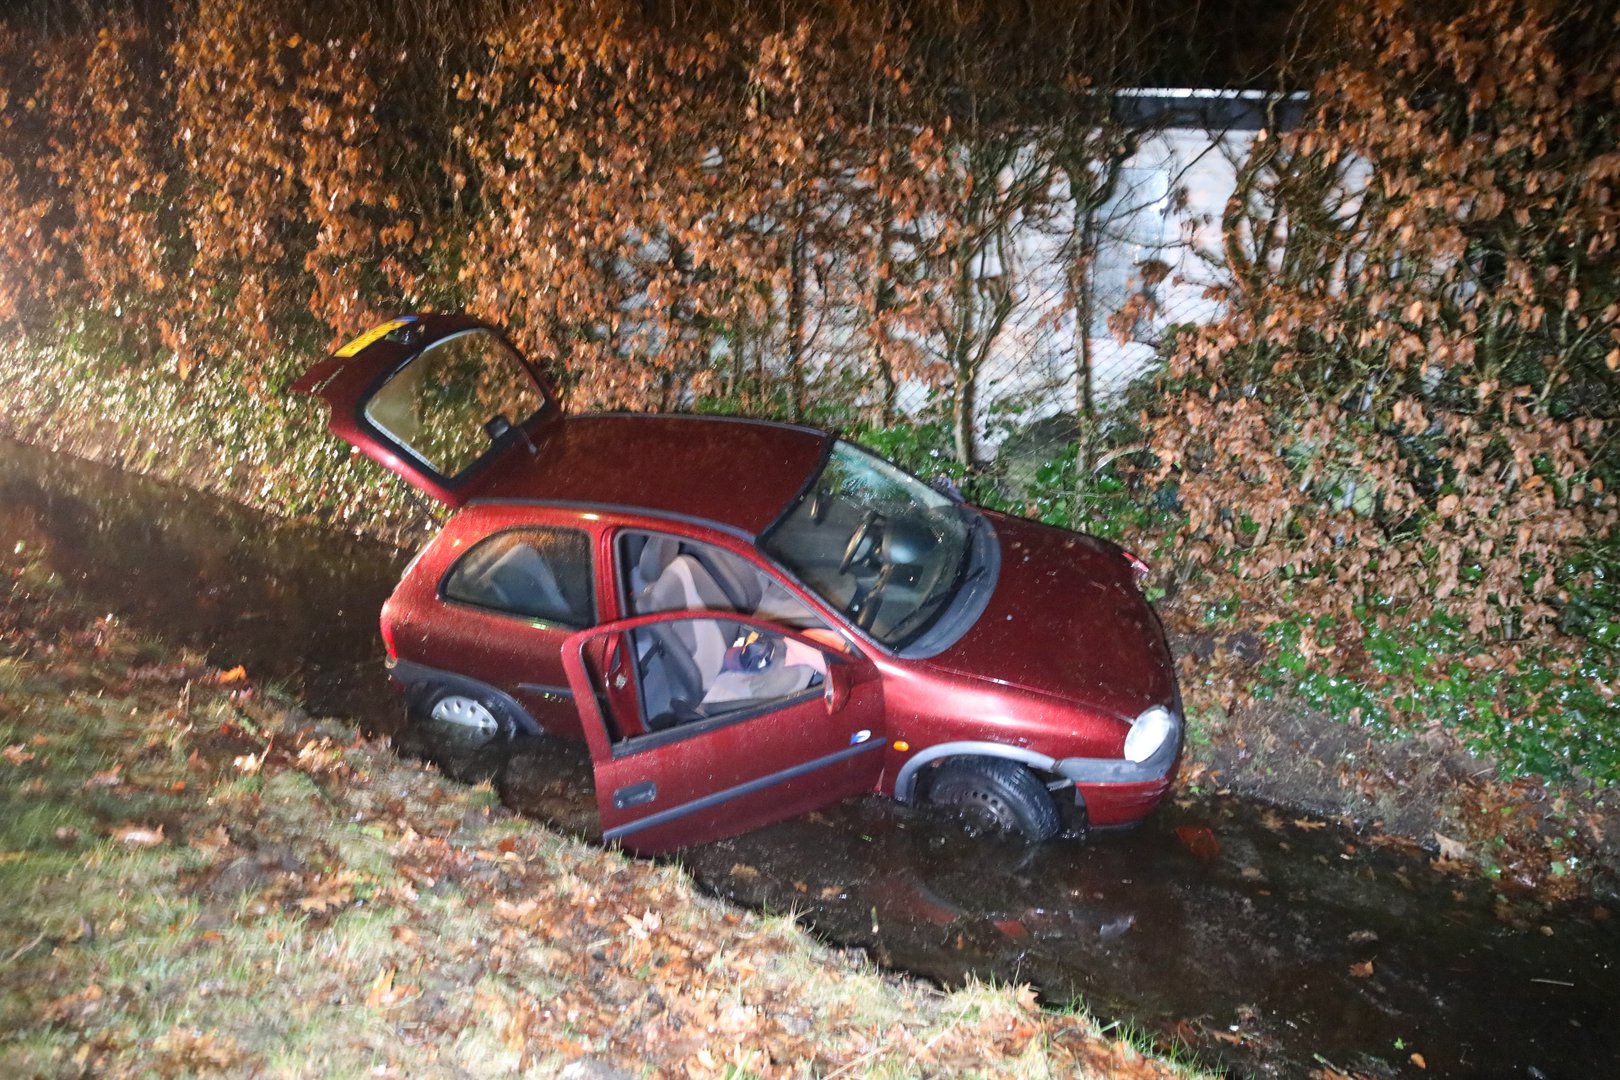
(1409, 405)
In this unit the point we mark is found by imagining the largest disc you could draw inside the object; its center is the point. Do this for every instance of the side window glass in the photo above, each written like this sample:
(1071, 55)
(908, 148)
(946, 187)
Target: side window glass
(693, 670)
(535, 573)
(663, 573)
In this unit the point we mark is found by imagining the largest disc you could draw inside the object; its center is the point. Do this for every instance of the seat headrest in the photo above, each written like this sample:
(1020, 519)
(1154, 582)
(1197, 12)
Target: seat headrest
(656, 554)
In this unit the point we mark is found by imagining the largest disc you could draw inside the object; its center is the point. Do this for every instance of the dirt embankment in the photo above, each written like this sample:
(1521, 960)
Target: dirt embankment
(1551, 841)
(196, 877)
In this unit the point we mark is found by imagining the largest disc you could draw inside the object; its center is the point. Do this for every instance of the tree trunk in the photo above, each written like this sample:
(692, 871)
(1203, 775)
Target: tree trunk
(796, 253)
(965, 393)
(1084, 297)
(962, 409)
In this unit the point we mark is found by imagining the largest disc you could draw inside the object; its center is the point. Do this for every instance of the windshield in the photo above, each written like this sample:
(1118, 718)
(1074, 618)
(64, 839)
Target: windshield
(448, 405)
(877, 544)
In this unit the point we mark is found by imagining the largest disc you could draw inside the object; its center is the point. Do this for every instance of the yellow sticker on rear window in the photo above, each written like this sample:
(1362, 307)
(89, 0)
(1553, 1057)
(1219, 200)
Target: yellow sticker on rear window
(372, 335)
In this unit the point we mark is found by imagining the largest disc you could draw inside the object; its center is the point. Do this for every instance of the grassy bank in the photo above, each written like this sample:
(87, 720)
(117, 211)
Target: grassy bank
(244, 438)
(196, 877)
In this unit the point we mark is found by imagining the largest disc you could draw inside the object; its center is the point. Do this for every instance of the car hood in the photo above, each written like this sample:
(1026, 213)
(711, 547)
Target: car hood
(1067, 619)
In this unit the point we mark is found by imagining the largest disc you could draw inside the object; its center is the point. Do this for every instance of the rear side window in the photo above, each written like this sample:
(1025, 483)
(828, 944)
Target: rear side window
(534, 573)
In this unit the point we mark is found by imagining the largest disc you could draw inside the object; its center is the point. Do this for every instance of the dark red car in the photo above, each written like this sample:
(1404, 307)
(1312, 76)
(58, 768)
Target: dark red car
(746, 620)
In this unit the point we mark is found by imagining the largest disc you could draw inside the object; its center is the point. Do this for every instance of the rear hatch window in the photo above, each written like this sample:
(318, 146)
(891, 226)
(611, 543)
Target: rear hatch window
(453, 402)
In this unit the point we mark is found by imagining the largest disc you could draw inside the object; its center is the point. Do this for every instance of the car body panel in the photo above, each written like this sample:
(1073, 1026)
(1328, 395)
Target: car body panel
(350, 378)
(1102, 642)
(520, 657)
(728, 774)
(738, 473)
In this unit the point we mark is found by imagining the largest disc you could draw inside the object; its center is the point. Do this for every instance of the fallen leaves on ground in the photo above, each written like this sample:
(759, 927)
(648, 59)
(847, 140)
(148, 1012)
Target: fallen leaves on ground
(384, 992)
(1199, 840)
(327, 894)
(139, 835)
(1451, 849)
(184, 1049)
(106, 778)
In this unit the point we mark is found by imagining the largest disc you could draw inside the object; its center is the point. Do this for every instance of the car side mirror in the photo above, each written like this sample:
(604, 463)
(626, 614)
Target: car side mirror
(836, 686)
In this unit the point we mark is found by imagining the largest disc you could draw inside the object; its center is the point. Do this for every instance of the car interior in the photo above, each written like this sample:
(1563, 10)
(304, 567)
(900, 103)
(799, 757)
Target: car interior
(882, 561)
(698, 668)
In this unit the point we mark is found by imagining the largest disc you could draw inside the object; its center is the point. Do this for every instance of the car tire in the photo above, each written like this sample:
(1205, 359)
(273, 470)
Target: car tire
(476, 713)
(996, 796)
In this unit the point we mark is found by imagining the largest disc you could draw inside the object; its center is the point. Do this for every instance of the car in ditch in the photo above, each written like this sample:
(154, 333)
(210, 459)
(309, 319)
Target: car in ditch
(745, 620)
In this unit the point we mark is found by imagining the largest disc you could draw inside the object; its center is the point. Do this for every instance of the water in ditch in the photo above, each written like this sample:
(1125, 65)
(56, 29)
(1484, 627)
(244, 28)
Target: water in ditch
(1270, 944)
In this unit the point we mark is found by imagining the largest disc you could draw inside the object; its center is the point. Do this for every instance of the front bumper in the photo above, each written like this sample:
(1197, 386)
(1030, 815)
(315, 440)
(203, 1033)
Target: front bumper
(1159, 767)
(1115, 792)
(1152, 776)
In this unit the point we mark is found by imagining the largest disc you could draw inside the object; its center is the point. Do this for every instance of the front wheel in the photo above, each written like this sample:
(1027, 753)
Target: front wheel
(996, 796)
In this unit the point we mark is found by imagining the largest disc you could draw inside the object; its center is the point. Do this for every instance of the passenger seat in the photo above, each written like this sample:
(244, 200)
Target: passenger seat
(671, 686)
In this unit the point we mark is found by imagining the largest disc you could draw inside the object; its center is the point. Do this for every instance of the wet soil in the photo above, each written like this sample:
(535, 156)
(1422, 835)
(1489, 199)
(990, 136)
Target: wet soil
(1269, 943)
(1557, 840)
(293, 605)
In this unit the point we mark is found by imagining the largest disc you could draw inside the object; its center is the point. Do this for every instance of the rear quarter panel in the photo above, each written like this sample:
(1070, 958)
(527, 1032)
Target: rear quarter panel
(512, 654)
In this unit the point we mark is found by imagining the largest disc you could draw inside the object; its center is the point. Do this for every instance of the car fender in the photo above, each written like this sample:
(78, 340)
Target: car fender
(905, 784)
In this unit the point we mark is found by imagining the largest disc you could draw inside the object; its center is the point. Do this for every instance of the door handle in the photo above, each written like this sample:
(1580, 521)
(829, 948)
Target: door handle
(635, 795)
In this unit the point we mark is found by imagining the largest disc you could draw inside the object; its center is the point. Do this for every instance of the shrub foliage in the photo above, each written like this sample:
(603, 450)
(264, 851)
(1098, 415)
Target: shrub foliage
(1404, 419)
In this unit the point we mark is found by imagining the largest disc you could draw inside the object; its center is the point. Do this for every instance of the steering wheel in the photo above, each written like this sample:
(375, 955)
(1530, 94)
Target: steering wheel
(871, 521)
(872, 599)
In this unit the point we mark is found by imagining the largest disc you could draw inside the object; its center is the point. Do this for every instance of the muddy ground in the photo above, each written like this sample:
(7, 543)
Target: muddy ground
(1554, 840)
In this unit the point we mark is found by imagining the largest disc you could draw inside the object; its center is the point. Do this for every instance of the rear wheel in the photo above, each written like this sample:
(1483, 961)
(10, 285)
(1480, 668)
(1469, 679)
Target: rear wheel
(996, 796)
(470, 712)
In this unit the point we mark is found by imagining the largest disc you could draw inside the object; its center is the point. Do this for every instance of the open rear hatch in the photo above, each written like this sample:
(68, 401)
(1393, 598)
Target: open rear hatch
(436, 398)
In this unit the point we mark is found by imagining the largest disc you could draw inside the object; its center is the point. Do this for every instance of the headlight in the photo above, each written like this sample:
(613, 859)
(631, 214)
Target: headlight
(1148, 733)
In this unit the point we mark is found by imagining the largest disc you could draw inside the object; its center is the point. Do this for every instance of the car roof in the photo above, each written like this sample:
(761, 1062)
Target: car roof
(736, 473)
